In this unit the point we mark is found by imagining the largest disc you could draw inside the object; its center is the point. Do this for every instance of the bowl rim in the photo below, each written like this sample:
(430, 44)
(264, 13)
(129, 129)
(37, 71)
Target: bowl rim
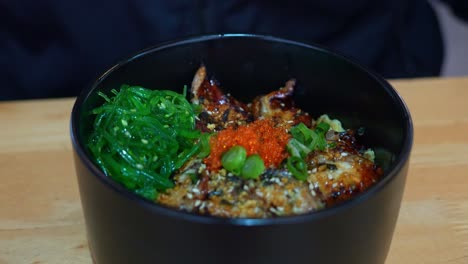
(400, 162)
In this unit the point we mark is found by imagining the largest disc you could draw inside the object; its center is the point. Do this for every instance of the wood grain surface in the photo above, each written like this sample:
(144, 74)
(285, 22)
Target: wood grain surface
(40, 212)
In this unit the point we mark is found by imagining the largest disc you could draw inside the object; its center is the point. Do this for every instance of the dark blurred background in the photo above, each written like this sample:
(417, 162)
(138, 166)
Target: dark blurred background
(455, 35)
(53, 48)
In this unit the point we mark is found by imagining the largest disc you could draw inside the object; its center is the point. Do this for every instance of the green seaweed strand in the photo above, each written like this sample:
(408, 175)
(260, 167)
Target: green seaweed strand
(141, 137)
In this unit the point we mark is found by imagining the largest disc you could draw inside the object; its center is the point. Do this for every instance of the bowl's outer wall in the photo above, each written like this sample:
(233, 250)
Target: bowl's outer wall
(125, 230)
(122, 231)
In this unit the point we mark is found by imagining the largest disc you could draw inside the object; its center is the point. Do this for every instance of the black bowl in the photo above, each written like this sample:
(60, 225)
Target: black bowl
(124, 228)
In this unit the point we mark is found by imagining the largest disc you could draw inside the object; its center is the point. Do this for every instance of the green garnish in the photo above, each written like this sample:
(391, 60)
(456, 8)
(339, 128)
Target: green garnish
(297, 167)
(322, 128)
(297, 149)
(303, 142)
(307, 140)
(204, 145)
(233, 159)
(141, 137)
(253, 167)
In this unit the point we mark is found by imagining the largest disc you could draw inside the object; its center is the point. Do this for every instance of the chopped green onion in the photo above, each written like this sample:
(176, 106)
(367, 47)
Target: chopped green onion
(233, 159)
(322, 127)
(297, 149)
(253, 167)
(309, 138)
(322, 143)
(297, 167)
(301, 133)
(303, 142)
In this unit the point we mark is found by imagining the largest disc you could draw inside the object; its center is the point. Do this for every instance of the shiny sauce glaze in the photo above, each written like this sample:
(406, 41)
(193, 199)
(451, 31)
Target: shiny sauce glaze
(334, 174)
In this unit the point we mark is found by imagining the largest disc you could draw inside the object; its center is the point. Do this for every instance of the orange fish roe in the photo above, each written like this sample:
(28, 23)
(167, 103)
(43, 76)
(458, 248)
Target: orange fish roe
(260, 137)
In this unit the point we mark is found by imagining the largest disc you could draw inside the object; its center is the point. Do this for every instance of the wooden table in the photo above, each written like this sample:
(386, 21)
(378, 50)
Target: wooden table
(40, 212)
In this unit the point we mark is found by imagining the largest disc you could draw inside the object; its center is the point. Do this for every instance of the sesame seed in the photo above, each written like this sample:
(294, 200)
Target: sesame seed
(181, 178)
(313, 193)
(334, 185)
(344, 154)
(197, 203)
(211, 126)
(124, 122)
(196, 191)
(144, 141)
(190, 196)
(203, 205)
(296, 210)
(251, 184)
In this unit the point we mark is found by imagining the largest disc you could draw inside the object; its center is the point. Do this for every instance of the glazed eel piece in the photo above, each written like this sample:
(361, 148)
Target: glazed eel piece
(334, 175)
(221, 110)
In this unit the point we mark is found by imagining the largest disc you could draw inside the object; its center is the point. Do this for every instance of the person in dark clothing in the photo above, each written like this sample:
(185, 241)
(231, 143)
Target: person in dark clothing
(55, 48)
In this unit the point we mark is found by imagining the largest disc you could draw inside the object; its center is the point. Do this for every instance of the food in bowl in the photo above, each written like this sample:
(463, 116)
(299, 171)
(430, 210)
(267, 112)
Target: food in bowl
(215, 155)
(123, 228)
